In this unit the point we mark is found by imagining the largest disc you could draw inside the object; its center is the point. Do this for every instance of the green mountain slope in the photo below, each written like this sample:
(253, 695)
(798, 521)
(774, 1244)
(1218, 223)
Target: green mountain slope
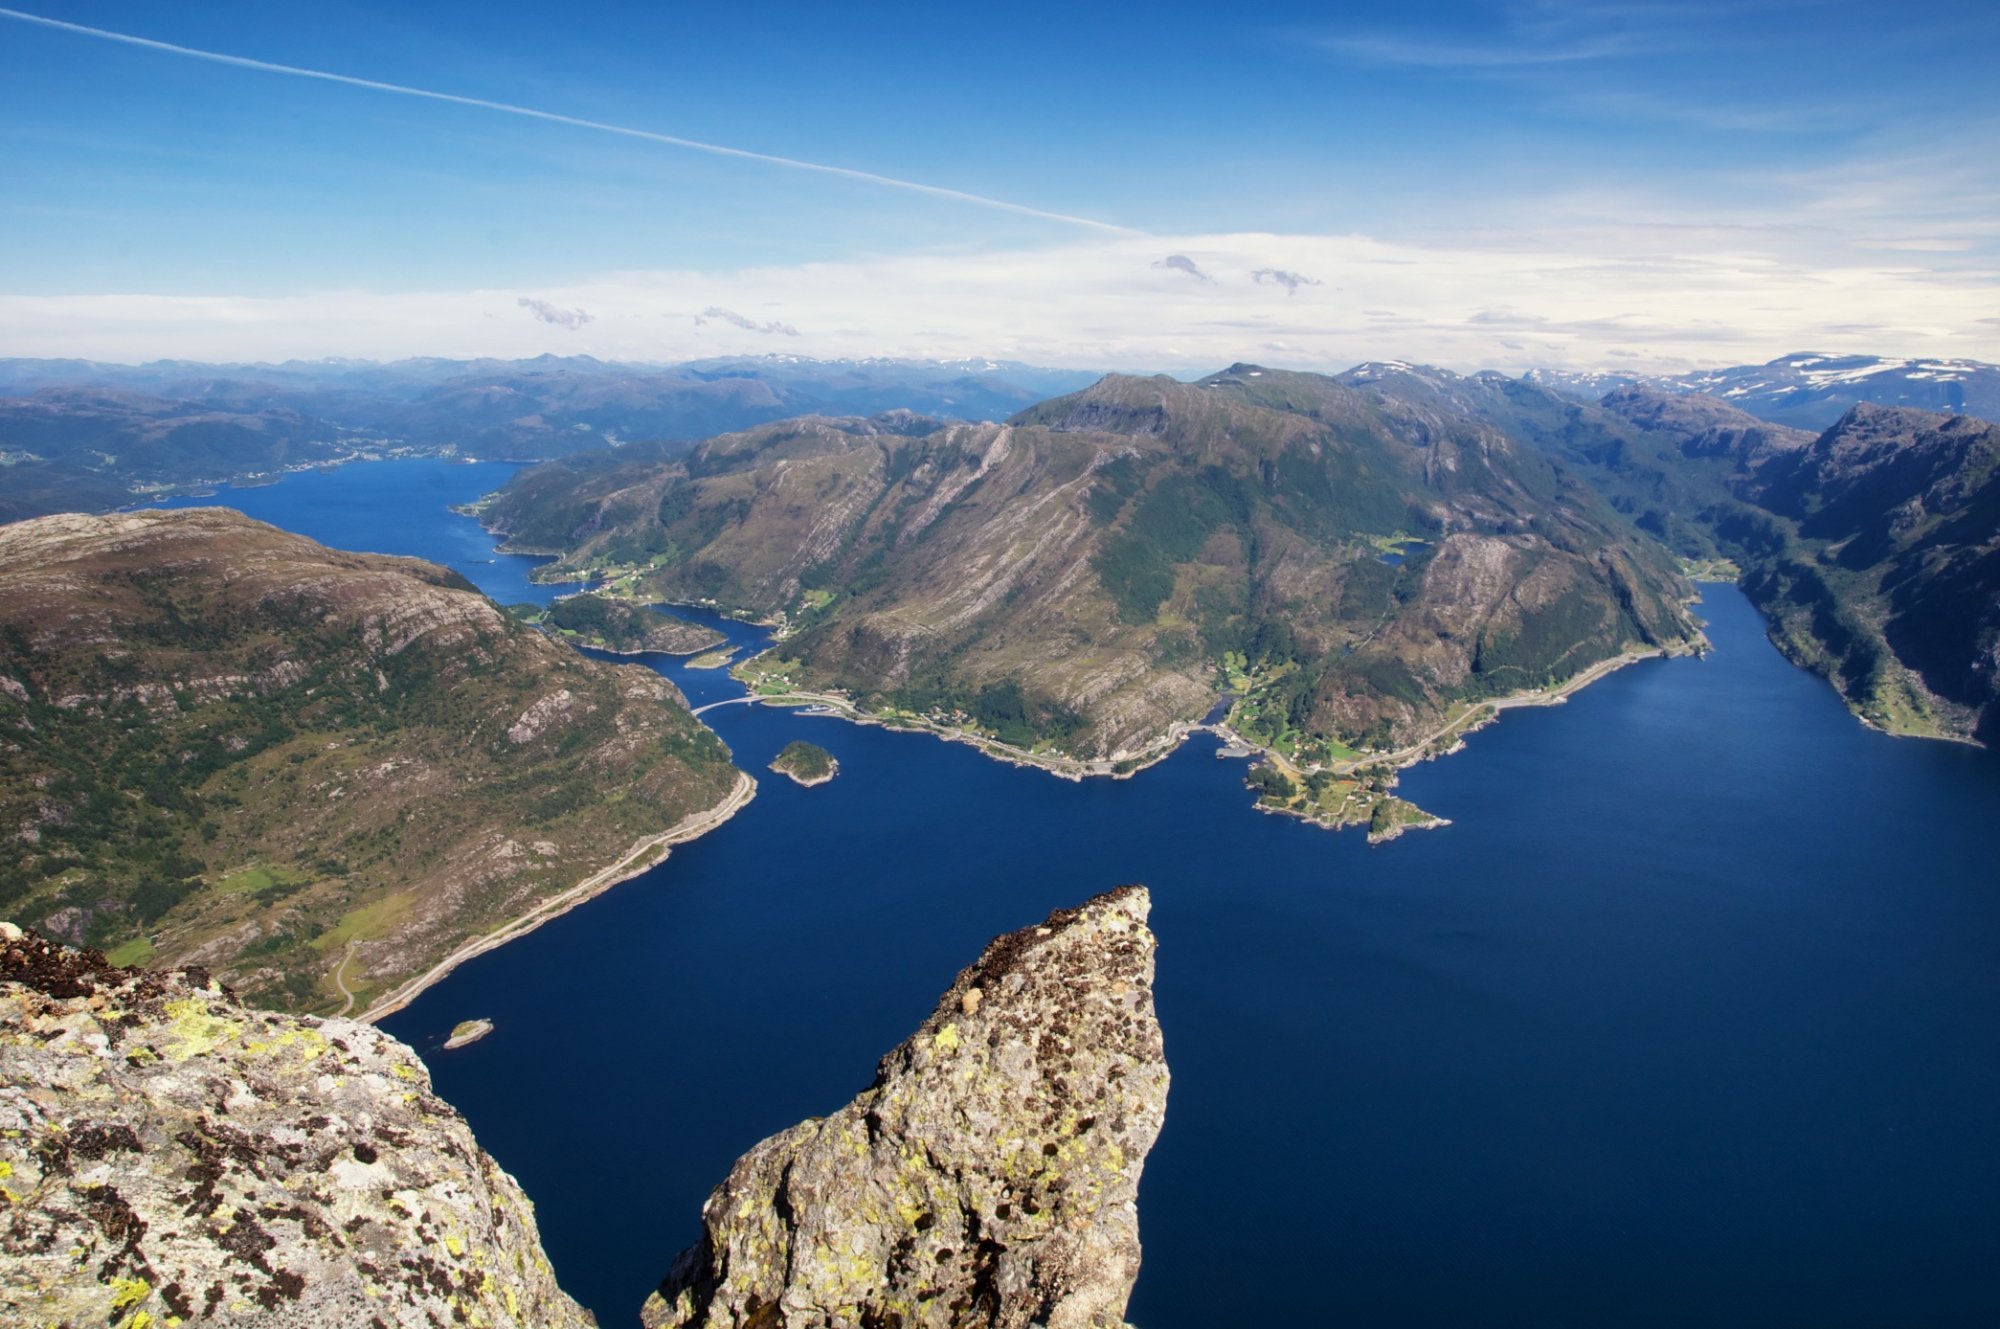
(1890, 581)
(1668, 462)
(1100, 568)
(71, 448)
(227, 745)
(1873, 549)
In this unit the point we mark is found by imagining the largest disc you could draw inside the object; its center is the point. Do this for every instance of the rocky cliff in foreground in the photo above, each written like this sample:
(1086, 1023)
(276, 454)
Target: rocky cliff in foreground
(989, 1175)
(169, 1156)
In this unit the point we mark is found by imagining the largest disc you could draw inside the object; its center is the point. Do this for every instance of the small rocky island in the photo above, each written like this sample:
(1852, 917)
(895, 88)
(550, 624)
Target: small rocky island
(467, 1031)
(806, 763)
(989, 1176)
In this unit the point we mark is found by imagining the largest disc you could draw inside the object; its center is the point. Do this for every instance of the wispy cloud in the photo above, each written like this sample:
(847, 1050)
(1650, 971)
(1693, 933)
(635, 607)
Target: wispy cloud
(1666, 299)
(1423, 53)
(1291, 281)
(1529, 34)
(747, 324)
(1728, 66)
(548, 313)
(575, 122)
(1182, 263)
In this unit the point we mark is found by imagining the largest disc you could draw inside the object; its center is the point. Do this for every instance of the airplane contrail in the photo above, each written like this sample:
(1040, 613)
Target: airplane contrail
(672, 140)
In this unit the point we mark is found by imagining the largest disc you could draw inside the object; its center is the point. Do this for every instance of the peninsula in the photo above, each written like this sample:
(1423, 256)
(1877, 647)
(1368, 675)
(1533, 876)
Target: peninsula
(326, 776)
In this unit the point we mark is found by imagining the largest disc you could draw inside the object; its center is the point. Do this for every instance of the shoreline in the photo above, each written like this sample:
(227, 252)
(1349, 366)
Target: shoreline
(632, 654)
(1488, 711)
(1073, 769)
(1477, 716)
(644, 855)
(602, 582)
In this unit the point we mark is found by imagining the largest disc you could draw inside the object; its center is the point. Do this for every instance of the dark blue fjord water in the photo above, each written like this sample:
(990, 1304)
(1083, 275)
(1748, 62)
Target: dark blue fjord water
(1691, 1018)
(394, 507)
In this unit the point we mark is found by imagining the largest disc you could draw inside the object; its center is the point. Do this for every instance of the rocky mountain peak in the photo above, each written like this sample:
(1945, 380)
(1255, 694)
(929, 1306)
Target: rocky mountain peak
(989, 1175)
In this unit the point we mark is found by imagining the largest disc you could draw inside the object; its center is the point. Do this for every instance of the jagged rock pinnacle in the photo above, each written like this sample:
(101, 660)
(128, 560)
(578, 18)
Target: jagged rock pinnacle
(989, 1175)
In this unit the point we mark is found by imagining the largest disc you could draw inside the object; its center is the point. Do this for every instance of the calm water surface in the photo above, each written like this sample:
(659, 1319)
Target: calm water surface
(394, 507)
(1689, 1018)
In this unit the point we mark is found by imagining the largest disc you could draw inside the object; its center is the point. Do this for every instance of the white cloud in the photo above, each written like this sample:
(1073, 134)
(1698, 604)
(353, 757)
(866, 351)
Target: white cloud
(1673, 296)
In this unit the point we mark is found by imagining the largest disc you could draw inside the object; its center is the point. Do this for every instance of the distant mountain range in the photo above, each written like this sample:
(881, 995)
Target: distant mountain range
(75, 434)
(1811, 391)
(1706, 463)
(552, 405)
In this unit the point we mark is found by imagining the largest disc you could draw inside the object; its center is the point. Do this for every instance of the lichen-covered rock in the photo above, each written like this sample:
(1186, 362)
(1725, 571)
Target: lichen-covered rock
(170, 1156)
(988, 1177)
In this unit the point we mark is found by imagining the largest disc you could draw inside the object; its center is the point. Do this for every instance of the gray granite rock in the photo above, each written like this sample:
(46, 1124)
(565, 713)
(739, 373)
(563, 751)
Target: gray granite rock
(173, 1157)
(988, 1177)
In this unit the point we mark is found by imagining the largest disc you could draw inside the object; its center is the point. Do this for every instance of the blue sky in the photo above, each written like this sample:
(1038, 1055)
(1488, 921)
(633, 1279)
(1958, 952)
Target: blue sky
(1474, 184)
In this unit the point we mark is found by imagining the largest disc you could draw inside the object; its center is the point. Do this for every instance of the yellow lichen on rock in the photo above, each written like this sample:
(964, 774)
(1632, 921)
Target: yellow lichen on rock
(996, 1154)
(234, 1179)
(196, 1029)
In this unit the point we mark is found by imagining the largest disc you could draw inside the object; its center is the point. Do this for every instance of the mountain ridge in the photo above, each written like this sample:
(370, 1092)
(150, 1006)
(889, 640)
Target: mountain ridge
(1080, 578)
(1811, 390)
(74, 434)
(321, 774)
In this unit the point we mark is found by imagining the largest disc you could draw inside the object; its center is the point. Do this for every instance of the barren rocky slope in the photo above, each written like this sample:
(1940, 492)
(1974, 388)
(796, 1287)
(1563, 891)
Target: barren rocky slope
(987, 1178)
(315, 772)
(169, 1157)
